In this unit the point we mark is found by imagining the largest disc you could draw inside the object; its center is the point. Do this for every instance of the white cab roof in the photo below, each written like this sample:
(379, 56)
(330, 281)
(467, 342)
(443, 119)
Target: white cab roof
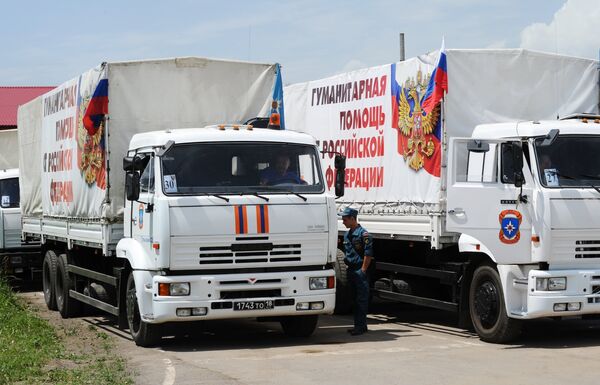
(534, 128)
(215, 134)
(9, 173)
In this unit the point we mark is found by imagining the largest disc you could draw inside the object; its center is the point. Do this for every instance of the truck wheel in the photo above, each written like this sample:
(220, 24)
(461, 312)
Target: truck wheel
(486, 306)
(67, 306)
(343, 296)
(299, 326)
(48, 278)
(143, 333)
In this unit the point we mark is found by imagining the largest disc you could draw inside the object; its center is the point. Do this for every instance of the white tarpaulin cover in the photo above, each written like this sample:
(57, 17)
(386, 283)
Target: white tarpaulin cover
(9, 149)
(393, 148)
(64, 168)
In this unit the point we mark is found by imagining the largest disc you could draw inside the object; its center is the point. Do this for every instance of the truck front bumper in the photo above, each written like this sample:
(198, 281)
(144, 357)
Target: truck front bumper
(239, 296)
(580, 296)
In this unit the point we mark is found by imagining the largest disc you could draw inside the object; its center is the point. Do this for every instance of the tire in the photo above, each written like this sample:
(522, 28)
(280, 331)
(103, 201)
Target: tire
(299, 326)
(487, 309)
(49, 278)
(343, 294)
(67, 306)
(143, 333)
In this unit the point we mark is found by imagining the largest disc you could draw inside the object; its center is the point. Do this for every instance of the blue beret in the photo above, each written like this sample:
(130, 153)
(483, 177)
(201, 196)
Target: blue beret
(349, 212)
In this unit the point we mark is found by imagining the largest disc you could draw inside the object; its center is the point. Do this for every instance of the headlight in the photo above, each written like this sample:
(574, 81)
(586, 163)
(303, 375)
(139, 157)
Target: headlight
(182, 288)
(317, 283)
(551, 284)
(174, 289)
(320, 283)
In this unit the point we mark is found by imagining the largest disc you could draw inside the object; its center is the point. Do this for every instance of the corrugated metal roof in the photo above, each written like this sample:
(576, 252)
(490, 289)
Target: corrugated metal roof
(12, 97)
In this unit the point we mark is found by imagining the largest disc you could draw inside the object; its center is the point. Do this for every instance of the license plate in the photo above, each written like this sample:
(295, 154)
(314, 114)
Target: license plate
(253, 305)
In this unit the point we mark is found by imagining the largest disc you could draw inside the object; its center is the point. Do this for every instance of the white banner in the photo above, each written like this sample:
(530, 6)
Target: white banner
(73, 160)
(392, 152)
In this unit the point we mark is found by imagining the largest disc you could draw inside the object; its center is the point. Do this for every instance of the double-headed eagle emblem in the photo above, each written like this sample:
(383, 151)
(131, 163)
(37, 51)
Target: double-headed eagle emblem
(414, 124)
(90, 150)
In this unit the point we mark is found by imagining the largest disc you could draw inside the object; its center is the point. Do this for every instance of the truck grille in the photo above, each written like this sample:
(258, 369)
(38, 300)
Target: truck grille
(237, 294)
(239, 253)
(587, 249)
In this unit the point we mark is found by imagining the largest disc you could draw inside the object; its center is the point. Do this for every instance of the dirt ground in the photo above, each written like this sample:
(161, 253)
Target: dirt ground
(83, 341)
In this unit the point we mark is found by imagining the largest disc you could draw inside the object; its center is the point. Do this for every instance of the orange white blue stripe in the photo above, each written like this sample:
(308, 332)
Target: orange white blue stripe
(262, 219)
(241, 219)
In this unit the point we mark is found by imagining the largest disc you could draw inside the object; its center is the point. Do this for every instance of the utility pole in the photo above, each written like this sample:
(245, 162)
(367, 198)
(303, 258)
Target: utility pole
(402, 57)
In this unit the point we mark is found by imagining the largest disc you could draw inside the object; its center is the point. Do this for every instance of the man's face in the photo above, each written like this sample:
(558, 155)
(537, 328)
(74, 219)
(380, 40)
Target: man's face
(348, 221)
(281, 164)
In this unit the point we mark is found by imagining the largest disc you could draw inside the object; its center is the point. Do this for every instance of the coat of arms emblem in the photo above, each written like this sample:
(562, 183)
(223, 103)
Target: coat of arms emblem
(418, 132)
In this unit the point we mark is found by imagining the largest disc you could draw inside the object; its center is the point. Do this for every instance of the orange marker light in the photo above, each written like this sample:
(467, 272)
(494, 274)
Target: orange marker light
(478, 247)
(163, 289)
(535, 238)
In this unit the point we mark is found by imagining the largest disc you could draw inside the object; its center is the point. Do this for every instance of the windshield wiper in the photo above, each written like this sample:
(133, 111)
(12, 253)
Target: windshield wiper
(577, 179)
(595, 177)
(260, 196)
(215, 195)
(256, 194)
(296, 194)
(275, 188)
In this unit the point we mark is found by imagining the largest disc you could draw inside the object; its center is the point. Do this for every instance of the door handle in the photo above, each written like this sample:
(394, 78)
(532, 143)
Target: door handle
(456, 211)
(134, 221)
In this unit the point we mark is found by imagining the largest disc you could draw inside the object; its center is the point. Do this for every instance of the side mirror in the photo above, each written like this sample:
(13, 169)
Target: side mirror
(512, 163)
(132, 186)
(340, 162)
(518, 163)
(340, 175)
(135, 163)
(477, 145)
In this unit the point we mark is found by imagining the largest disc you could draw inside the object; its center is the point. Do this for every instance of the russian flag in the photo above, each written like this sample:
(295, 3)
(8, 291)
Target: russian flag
(97, 108)
(438, 84)
(276, 118)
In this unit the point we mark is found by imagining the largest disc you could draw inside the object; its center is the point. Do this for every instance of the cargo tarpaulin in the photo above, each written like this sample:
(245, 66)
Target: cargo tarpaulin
(9, 149)
(81, 169)
(374, 116)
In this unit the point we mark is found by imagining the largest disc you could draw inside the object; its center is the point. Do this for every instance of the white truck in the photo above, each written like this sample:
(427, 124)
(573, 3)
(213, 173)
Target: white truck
(19, 261)
(150, 212)
(480, 207)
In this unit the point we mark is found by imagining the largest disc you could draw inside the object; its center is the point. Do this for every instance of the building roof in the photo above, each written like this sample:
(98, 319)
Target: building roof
(12, 97)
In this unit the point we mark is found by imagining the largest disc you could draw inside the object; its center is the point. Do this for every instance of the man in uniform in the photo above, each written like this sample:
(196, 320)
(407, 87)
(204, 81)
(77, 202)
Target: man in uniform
(358, 248)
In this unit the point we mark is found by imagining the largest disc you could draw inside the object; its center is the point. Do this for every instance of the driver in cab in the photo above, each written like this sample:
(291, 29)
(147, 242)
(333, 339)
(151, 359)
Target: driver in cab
(278, 173)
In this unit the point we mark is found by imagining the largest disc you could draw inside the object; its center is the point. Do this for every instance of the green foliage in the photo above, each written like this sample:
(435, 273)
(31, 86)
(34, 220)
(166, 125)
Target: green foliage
(27, 342)
(32, 353)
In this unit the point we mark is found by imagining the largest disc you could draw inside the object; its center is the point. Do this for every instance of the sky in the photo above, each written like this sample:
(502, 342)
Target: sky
(49, 42)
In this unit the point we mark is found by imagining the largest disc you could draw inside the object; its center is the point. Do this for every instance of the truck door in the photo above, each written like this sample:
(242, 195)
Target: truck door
(141, 215)
(483, 201)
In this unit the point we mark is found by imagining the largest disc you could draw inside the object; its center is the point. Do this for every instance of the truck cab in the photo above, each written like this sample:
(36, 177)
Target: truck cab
(19, 260)
(525, 196)
(227, 221)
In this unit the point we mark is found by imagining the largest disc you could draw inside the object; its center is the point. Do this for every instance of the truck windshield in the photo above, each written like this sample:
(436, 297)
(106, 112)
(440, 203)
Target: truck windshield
(241, 167)
(571, 162)
(9, 193)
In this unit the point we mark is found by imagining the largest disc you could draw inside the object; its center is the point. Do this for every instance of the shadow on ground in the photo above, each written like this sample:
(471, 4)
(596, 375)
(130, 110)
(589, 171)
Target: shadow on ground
(387, 322)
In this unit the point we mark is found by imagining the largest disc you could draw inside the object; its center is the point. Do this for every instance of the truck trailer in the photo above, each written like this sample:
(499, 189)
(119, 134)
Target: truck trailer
(485, 206)
(151, 209)
(19, 261)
